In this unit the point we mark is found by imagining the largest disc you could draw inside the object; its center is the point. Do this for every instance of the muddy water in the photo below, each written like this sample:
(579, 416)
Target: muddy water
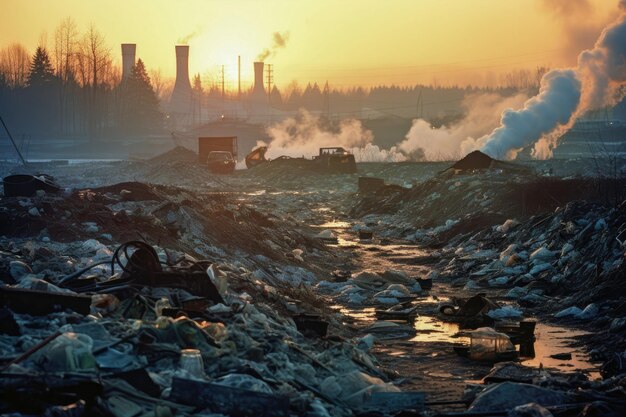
(426, 360)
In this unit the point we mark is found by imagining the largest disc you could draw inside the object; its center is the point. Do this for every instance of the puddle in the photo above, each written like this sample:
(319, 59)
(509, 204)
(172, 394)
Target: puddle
(334, 224)
(431, 329)
(554, 339)
(550, 339)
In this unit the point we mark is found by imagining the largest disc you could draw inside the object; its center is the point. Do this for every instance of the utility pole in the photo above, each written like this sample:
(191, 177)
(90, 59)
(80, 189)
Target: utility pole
(270, 79)
(419, 104)
(327, 99)
(238, 77)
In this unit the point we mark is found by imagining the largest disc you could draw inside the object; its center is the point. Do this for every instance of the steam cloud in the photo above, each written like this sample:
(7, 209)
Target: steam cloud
(279, 41)
(185, 39)
(446, 143)
(564, 95)
(304, 134)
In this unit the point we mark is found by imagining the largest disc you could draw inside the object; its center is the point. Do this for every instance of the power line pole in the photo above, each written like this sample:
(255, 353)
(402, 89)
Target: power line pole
(239, 77)
(270, 79)
(327, 99)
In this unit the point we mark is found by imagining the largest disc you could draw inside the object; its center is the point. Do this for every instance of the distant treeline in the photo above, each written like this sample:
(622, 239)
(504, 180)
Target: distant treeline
(73, 88)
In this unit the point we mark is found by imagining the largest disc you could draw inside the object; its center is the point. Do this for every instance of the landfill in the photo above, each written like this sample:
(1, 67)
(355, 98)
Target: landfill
(157, 288)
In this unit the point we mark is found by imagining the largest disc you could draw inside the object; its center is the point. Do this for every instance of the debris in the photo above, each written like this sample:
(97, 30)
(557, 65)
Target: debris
(507, 395)
(487, 345)
(227, 400)
(42, 302)
(309, 324)
(21, 185)
(191, 363)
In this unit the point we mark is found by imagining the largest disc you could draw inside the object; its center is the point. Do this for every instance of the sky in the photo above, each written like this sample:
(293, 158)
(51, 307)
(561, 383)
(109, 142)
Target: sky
(345, 42)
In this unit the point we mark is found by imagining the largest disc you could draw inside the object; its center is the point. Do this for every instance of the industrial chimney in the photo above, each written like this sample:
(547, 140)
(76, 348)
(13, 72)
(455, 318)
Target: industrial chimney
(180, 101)
(258, 90)
(128, 59)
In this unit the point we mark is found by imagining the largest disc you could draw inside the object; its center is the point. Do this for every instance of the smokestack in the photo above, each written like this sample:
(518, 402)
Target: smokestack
(128, 59)
(259, 89)
(180, 102)
(182, 68)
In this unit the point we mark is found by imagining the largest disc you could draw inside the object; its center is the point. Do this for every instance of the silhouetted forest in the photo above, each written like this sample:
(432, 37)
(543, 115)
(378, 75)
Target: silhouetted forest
(73, 88)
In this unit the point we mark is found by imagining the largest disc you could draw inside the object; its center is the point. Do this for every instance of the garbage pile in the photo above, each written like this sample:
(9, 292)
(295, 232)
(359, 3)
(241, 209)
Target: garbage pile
(206, 318)
(474, 194)
(514, 390)
(569, 263)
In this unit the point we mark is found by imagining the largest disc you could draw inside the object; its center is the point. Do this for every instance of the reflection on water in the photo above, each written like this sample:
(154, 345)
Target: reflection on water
(554, 339)
(333, 224)
(550, 340)
(431, 329)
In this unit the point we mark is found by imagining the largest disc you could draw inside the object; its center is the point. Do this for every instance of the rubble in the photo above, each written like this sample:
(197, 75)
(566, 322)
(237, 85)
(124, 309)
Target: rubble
(190, 295)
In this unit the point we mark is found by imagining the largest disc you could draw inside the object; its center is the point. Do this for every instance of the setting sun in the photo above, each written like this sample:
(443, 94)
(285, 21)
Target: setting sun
(347, 43)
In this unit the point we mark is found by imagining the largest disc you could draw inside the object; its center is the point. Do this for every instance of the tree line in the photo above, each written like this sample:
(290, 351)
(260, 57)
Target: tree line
(74, 88)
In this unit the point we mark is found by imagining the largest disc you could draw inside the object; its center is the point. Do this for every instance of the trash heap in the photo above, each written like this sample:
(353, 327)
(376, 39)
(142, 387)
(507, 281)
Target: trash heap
(472, 194)
(569, 263)
(208, 319)
(525, 391)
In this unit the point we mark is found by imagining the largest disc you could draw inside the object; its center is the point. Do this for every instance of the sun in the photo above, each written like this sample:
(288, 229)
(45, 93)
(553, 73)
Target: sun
(207, 56)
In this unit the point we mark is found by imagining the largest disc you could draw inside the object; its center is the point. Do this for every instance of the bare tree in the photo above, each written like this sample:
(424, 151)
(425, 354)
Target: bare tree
(95, 59)
(65, 45)
(157, 81)
(15, 65)
(65, 62)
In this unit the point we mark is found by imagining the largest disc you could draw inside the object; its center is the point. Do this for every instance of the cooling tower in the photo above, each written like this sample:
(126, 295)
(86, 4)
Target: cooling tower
(128, 59)
(259, 89)
(180, 102)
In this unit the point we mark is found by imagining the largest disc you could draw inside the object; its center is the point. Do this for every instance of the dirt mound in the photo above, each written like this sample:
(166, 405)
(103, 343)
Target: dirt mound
(478, 160)
(474, 160)
(179, 153)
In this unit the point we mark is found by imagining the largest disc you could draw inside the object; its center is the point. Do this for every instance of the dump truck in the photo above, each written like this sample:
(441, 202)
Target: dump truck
(208, 144)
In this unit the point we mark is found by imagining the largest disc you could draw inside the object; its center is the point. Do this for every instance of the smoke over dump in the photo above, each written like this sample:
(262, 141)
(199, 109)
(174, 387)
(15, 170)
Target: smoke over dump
(558, 98)
(279, 41)
(564, 95)
(447, 143)
(305, 133)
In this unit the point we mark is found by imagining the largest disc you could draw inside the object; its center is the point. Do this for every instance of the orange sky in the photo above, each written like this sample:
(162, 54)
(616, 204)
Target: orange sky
(346, 42)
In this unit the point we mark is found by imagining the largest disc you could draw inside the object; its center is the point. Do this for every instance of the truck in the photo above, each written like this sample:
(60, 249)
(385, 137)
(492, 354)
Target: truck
(335, 160)
(208, 144)
(221, 162)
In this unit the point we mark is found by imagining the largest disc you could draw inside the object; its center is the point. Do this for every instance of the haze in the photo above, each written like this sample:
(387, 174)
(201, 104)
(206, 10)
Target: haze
(347, 43)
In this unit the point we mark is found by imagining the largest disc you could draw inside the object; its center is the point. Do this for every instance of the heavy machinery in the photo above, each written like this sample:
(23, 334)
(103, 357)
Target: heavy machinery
(335, 160)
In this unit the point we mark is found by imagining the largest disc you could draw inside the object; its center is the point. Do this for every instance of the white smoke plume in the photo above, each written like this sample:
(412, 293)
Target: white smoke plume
(481, 116)
(564, 96)
(279, 41)
(542, 115)
(303, 135)
(185, 39)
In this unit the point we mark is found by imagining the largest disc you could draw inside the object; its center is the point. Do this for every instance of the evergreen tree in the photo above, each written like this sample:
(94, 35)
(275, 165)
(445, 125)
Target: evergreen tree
(41, 71)
(142, 109)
